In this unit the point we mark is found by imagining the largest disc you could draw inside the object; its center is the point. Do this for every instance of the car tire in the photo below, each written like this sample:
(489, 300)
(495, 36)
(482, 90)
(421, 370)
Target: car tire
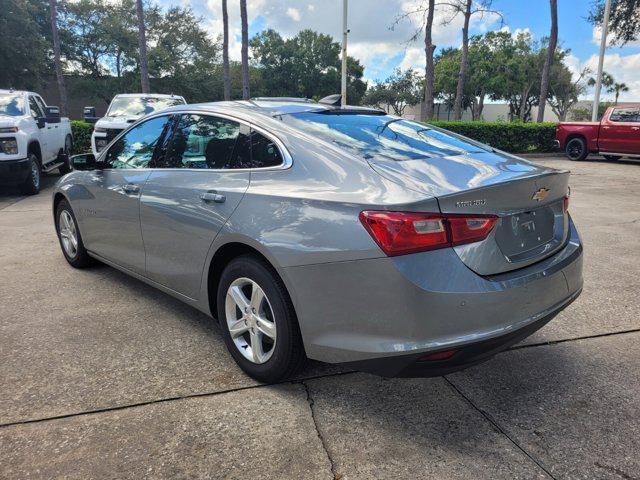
(278, 354)
(31, 185)
(576, 149)
(612, 157)
(67, 166)
(67, 230)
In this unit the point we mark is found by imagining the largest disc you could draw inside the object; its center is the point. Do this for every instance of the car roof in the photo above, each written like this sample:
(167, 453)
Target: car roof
(17, 92)
(152, 95)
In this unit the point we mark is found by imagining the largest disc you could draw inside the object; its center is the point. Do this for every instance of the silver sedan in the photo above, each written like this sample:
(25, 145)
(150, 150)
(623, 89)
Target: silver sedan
(340, 234)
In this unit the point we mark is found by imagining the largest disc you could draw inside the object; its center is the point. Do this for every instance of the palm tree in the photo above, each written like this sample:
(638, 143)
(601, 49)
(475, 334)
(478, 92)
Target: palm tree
(245, 50)
(225, 51)
(142, 41)
(546, 69)
(618, 88)
(62, 89)
(427, 113)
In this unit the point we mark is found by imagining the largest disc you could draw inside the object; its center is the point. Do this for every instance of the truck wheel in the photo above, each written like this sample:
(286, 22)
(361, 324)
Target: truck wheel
(31, 185)
(576, 149)
(70, 238)
(612, 157)
(67, 166)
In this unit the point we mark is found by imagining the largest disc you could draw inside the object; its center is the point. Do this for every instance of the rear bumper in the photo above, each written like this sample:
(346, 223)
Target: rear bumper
(393, 310)
(14, 172)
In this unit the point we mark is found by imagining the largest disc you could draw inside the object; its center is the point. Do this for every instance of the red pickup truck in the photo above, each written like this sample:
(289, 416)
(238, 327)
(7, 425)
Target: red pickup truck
(617, 135)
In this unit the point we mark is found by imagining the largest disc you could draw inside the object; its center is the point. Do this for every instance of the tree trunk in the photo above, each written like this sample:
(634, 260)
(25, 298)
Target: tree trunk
(62, 89)
(457, 106)
(427, 106)
(546, 69)
(245, 50)
(225, 51)
(142, 42)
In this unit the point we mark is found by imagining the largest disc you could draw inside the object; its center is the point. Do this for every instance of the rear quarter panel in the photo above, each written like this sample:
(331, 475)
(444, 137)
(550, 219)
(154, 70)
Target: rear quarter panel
(588, 130)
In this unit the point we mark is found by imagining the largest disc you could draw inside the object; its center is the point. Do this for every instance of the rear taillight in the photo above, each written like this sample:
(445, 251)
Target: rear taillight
(399, 233)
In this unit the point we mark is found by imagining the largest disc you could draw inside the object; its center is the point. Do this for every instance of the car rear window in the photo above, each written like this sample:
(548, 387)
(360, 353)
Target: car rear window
(382, 136)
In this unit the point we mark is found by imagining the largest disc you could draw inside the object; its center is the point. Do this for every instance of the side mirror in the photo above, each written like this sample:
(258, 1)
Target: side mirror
(84, 161)
(89, 114)
(52, 114)
(41, 121)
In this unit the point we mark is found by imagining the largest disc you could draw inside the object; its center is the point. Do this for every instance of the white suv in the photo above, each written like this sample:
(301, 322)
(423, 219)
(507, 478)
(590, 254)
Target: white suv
(33, 139)
(125, 109)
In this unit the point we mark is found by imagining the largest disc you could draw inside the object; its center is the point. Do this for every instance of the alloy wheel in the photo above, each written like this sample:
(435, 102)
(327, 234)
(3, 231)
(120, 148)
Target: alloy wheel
(574, 149)
(35, 174)
(68, 234)
(250, 320)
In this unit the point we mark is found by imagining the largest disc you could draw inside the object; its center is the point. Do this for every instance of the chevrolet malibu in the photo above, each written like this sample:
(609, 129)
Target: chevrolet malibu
(340, 234)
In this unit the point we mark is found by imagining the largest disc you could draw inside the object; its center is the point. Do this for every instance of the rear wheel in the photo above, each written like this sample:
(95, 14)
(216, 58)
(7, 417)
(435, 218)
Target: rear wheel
(612, 157)
(66, 167)
(576, 149)
(31, 185)
(258, 321)
(70, 238)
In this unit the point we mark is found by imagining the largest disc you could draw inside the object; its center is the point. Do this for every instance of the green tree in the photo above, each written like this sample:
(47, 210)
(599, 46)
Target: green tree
(398, 91)
(306, 65)
(617, 88)
(624, 20)
(564, 90)
(24, 49)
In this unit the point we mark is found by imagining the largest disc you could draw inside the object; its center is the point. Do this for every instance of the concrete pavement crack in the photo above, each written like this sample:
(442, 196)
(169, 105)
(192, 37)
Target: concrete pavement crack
(495, 424)
(310, 401)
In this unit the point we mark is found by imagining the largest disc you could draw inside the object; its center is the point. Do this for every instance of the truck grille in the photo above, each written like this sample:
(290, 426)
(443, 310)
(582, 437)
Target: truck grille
(113, 133)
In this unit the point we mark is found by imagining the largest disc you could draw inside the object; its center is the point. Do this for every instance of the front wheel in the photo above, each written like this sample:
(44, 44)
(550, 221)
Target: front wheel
(576, 149)
(70, 238)
(258, 321)
(31, 185)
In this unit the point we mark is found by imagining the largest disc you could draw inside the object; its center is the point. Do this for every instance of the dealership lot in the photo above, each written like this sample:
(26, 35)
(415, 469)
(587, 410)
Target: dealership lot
(105, 377)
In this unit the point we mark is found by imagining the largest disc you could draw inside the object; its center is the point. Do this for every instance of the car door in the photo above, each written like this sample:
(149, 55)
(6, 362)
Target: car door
(620, 133)
(111, 215)
(52, 131)
(37, 112)
(195, 186)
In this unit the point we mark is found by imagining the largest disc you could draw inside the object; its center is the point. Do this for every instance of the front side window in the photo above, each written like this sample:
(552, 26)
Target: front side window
(11, 105)
(201, 141)
(36, 111)
(136, 147)
(621, 115)
(137, 106)
(382, 136)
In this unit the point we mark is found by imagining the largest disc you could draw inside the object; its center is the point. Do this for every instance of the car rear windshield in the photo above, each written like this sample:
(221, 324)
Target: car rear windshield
(12, 105)
(382, 136)
(136, 106)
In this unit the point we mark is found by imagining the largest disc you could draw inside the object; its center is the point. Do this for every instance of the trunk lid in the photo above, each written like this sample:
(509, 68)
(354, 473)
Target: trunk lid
(528, 199)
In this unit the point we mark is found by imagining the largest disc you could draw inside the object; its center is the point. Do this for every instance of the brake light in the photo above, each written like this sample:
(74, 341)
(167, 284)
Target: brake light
(399, 233)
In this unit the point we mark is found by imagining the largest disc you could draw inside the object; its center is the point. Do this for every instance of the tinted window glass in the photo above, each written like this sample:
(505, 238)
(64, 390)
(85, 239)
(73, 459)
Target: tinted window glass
(201, 141)
(242, 153)
(264, 152)
(625, 115)
(36, 111)
(135, 148)
(382, 136)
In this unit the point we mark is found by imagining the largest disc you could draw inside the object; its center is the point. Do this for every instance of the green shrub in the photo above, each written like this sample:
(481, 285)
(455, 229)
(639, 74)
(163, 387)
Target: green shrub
(510, 137)
(81, 136)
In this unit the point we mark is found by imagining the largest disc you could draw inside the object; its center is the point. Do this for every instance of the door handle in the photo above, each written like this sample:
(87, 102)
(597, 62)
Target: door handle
(212, 196)
(130, 188)
(605, 127)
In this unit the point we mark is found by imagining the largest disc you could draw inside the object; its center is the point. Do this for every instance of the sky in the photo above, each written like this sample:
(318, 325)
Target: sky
(381, 44)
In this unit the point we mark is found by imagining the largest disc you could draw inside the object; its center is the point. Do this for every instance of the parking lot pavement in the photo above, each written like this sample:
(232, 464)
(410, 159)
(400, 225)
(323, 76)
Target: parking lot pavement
(103, 376)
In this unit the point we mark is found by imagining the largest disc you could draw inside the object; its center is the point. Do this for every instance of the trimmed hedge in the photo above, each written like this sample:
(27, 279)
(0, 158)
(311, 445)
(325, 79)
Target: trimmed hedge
(81, 136)
(510, 137)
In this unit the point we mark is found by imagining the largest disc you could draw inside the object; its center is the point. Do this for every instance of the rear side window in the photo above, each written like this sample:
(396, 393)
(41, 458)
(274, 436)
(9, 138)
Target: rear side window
(625, 115)
(201, 141)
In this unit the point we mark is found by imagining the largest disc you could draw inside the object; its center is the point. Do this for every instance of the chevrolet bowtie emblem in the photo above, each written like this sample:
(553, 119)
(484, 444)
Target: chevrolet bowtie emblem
(540, 194)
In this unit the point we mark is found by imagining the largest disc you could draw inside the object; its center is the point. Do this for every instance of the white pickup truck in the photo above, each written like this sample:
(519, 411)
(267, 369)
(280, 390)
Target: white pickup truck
(125, 109)
(33, 139)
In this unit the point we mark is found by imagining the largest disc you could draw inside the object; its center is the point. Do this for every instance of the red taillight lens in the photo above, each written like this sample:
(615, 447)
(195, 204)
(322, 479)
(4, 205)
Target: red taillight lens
(399, 233)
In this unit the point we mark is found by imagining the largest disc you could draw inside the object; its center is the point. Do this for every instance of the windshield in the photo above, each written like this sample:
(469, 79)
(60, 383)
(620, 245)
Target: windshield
(137, 106)
(12, 105)
(382, 136)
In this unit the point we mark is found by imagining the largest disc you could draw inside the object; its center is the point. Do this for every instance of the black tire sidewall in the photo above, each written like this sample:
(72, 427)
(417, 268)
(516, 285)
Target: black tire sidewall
(288, 343)
(584, 152)
(29, 187)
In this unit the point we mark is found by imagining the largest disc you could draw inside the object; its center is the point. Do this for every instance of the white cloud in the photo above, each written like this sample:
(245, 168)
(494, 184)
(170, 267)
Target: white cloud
(597, 38)
(293, 14)
(623, 69)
